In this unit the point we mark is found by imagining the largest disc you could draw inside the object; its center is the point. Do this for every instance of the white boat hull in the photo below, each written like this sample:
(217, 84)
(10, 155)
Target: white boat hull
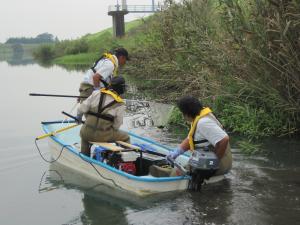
(103, 173)
(144, 186)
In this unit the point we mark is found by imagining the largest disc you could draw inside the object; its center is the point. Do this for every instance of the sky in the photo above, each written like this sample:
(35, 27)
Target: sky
(66, 19)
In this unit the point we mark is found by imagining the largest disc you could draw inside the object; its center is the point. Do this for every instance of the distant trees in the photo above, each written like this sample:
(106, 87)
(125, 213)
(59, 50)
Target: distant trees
(48, 51)
(44, 53)
(39, 39)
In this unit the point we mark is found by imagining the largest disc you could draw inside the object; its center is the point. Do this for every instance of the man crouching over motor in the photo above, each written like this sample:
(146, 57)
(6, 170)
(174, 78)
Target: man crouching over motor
(104, 111)
(206, 134)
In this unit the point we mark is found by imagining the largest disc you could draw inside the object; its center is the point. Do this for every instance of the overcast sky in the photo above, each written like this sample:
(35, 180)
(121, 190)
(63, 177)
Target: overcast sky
(66, 19)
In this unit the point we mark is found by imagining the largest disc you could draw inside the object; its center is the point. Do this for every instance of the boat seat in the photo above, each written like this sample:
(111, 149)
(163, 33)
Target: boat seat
(109, 146)
(127, 145)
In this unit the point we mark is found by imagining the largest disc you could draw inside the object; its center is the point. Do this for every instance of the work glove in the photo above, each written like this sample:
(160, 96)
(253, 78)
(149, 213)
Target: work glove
(173, 155)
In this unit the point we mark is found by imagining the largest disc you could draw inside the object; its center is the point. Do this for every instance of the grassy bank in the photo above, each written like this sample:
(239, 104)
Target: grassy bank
(86, 50)
(241, 58)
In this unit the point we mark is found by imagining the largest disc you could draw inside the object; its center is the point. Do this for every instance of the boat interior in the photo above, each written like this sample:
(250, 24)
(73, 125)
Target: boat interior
(136, 159)
(141, 157)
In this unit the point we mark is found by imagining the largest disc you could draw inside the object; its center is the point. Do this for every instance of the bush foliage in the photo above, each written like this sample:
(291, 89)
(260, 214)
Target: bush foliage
(239, 57)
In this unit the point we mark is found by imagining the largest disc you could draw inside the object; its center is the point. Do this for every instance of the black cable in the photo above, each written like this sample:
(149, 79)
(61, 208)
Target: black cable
(35, 141)
(111, 180)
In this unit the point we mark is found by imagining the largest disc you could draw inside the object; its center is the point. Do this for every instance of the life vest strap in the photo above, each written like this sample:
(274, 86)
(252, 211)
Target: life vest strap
(204, 112)
(113, 94)
(102, 116)
(101, 109)
(200, 142)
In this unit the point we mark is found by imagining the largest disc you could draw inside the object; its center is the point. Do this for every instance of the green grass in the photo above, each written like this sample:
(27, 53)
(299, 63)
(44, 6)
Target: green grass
(99, 43)
(78, 59)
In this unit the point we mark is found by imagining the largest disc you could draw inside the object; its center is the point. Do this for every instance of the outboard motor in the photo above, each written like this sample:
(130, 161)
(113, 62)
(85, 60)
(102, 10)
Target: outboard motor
(203, 165)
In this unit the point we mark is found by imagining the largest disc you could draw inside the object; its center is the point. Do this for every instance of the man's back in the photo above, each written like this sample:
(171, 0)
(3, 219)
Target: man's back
(105, 67)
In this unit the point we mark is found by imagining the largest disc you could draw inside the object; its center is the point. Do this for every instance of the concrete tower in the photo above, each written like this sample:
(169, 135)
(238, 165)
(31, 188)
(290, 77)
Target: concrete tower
(118, 18)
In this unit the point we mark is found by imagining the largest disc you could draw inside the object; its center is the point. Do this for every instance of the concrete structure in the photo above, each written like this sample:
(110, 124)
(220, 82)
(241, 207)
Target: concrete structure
(118, 13)
(118, 22)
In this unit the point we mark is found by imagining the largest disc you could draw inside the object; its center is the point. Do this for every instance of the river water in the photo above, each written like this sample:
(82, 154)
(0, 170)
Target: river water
(261, 189)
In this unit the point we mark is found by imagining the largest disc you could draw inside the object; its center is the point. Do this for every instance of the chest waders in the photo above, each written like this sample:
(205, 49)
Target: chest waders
(98, 126)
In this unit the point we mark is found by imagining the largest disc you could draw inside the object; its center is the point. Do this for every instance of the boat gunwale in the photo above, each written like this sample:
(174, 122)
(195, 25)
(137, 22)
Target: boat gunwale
(112, 169)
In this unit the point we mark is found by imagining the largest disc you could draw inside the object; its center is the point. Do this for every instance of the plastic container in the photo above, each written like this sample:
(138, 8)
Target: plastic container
(96, 152)
(129, 156)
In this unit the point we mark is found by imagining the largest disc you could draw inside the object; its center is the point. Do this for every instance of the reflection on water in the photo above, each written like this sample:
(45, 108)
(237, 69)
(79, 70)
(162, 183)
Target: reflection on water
(101, 204)
(15, 55)
(76, 67)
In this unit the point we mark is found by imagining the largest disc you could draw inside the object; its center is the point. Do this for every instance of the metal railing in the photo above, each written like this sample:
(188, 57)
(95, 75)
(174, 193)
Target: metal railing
(135, 8)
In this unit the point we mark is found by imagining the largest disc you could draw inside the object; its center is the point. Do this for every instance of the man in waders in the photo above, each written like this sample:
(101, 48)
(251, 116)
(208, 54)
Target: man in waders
(206, 133)
(104, 111)
(101, 73)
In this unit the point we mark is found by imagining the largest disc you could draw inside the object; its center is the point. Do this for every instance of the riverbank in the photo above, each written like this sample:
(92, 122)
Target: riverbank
(218, 52)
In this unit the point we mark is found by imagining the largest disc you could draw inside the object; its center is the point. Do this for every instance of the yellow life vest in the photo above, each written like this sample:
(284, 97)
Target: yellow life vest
(113, 60)
(116, 97)
(204, 112)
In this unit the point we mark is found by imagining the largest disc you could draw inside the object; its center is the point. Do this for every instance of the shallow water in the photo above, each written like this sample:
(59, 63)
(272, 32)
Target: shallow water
(260, 189)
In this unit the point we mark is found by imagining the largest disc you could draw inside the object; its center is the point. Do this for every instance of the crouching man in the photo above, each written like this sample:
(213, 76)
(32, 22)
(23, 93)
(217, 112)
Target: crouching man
(206, 133)
(104, 111)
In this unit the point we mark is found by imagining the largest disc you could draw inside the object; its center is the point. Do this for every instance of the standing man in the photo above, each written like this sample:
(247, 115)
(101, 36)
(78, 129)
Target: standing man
(104, 111)
(101, 73)
(206, 133)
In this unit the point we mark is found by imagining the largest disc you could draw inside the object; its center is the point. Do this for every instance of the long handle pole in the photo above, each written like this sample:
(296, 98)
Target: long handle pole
(73, 117)
(51, 95)
(76, 96)
(56, 132)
